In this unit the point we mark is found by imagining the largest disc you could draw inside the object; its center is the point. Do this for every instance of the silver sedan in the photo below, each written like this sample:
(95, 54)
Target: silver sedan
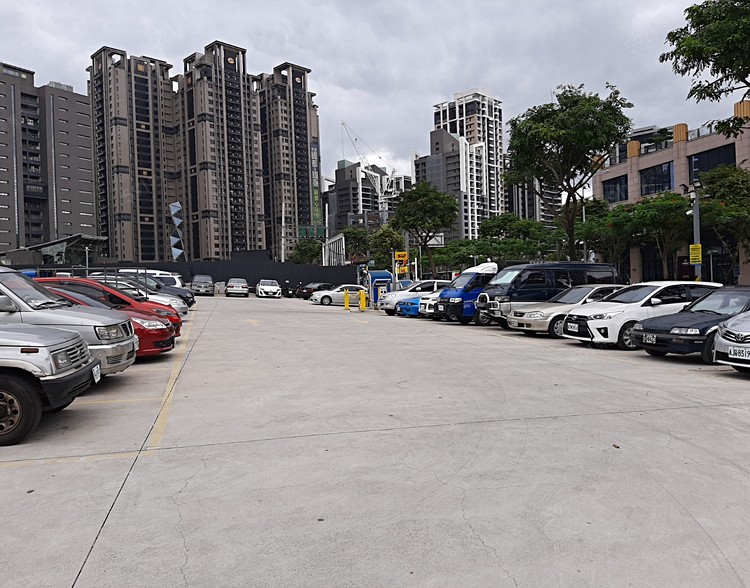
(336, 296)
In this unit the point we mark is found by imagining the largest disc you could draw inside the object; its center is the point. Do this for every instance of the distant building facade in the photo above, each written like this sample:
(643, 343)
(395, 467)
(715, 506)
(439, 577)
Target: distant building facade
(46, 173)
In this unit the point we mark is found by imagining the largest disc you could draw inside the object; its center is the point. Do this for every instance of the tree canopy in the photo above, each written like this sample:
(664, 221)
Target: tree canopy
(423, 212)
(382, 242)
(307, 251)
(609, 231)
(356, 242)
(714, 44)
(563, 144)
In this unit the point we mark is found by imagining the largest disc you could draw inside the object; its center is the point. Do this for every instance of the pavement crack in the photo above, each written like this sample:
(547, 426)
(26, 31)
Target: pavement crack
(178, 526)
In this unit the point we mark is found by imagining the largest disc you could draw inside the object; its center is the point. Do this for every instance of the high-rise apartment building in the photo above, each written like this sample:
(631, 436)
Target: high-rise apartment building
(134, 134)
(46, 178)
(219, 154)
(290, 138)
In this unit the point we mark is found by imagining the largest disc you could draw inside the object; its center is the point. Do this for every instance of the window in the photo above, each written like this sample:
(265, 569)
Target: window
(532, 279)
(659, 178)
(672, 295)
(708, 160)
(616, 189)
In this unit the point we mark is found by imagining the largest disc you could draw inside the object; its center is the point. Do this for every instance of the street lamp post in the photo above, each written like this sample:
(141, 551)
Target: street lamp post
(692, 191)
(87, 261)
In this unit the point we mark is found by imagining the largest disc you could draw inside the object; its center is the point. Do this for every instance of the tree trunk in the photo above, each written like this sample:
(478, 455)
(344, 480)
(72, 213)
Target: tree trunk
(432, 261)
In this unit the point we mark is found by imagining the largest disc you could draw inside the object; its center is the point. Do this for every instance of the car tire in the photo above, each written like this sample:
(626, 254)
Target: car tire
(625, 338)
(390, 312)
(741, 369)
(707, 351)
(20, 409)
(655, 353)
(326, 300)
(247, 295)
(529, 333)
(555, 329)
(436, 318)
(481, 319)
(464, 320)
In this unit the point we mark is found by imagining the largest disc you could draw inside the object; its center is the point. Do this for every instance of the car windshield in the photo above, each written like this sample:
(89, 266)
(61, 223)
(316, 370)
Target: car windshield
(462, 281)
(312, 285)
(83, 299)
(206, 279)
(269, 283)
(721, 302)
(571, 295)
(504, 278)
(30, 292)
(630, 295)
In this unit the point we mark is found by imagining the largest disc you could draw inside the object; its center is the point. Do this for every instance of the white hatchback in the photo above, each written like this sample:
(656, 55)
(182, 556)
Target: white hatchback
(612, 321)
(268, 289)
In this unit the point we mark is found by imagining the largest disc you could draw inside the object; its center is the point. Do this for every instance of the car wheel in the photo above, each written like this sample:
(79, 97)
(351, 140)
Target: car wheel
(436, 318)
(481, 319)
(655, 353)
(707, 352)
(20, 409)
(625, 338)
(555, 329)
(464, 320)
(741, 369)
(326, 300)
(390, 312)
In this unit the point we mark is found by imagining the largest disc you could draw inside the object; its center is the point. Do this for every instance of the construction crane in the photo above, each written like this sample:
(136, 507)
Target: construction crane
(383, 185)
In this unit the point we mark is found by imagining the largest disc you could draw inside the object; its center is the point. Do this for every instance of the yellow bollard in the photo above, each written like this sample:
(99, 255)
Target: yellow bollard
(362, 300)
(346, 299)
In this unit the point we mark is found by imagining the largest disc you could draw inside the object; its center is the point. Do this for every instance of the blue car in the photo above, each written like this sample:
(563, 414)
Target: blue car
(408, 307)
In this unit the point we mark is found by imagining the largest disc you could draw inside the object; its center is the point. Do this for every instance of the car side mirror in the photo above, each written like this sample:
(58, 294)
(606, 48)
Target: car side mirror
(6, 304)
(655, 301)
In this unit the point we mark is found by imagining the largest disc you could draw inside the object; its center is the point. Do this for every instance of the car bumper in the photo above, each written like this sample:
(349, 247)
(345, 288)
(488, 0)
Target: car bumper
(731, 352)
(155, 345)
(203, 290)
(59, 390)
(427, 309)
(449, 309)
(591, 331)
(261, 294)
(668, 343)
(407, 310)
(237, 291)
(386, 305)
(498, 309)
(116, 357)
(526, 324)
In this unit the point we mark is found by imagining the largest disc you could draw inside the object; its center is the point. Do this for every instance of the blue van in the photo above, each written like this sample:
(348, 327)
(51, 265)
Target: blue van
(457, 301)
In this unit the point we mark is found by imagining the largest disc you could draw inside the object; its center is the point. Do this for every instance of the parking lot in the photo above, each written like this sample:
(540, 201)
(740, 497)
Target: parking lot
(287, 444)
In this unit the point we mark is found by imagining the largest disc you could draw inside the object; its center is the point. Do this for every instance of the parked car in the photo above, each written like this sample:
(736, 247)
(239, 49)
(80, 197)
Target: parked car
(548, 317)
(612, 319)
(408, 307)
(531, 283)
(427, 304)
(336, 296)
(732, 343)
(237, 287)
(268, 289)
(109, 334)
(693, 329)
(457, 300)
(120, 299)
(157, 286)
(165, 277)
(203, 284)
(137, 289)
(388, 301)
(306, 291)
(155, 334)
(42, 369)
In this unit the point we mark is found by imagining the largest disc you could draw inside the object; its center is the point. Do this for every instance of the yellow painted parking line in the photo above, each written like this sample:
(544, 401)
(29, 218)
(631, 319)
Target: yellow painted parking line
(160, 427)
(113, 401)
(78, 459)
(251, 322)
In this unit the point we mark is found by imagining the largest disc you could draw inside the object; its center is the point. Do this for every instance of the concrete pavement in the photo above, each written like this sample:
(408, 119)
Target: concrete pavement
(284, 444)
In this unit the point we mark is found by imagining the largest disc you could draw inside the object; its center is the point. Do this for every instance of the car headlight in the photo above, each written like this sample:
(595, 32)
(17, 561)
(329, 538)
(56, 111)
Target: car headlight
(111, 332)
(534, 315)
(148, 324)
(61, 360)
(455, 300)
(502, 298)
(722, 329)
(684, 331)
(606, 316)
(176, 302)
(638, 327)
(161, 311)
(388, 296)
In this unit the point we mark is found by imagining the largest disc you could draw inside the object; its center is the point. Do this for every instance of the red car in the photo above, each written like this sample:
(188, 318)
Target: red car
(116, 298)
(155, 334)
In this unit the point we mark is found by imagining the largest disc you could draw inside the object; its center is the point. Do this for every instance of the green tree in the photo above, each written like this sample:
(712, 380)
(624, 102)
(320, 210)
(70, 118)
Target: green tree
(663, 220)
(519, 238)
(382, 242)
(611, 232)
(725, 207)
(356, 242)
(714, 44)
(307, 251)
(423, 212)
(563, 144)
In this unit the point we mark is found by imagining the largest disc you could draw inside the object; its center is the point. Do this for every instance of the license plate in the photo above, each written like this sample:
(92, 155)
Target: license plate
(649, 338)
(512, 323)
(739, 352)
(441, 307)
(97, 373)
(572, 327)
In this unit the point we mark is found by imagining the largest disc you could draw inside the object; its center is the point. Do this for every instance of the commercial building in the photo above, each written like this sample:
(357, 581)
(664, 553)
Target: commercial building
(657, 160)
(46, 175)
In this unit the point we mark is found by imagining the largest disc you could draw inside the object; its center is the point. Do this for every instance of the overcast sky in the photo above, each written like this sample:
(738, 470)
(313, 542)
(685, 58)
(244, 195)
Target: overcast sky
(380, 66)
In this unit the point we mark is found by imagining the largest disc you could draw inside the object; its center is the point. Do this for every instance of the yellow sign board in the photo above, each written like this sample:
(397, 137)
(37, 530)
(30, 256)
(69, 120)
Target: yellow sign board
(403, 269)
(696, 254)
(402, 256)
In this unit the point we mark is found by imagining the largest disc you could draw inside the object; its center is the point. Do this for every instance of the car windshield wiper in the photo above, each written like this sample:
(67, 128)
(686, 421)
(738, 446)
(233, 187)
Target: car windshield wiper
(708, 311)
(47, 303)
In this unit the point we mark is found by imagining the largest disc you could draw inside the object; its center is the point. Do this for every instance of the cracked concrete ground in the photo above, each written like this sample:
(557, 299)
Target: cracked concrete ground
(283, 444)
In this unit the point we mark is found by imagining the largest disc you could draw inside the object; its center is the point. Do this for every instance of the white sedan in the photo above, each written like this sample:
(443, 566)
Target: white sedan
(268, 289)
(336, 296)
